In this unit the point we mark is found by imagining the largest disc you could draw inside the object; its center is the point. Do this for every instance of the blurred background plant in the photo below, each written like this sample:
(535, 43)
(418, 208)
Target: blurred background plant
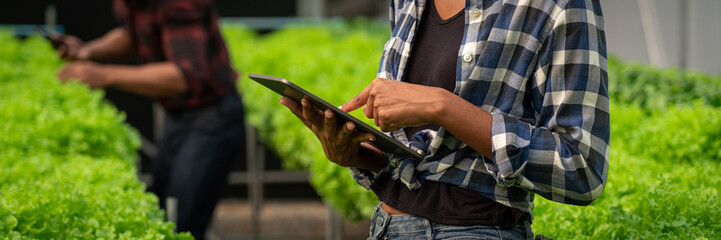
(67, 159)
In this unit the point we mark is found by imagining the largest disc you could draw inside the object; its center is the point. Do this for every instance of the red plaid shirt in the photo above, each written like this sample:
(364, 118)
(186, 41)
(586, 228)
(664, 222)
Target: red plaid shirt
(186, 33)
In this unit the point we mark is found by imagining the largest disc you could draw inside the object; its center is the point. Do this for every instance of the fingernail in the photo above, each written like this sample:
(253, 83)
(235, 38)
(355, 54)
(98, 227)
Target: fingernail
(328, 114)
(305, 104)
(372, 138)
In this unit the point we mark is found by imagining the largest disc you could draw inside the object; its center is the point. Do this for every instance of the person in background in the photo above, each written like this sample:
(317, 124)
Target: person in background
(506, 99)
(185, 67)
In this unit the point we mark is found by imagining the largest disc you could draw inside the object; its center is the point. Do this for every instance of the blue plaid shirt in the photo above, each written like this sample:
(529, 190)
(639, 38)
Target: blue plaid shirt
(539, 67)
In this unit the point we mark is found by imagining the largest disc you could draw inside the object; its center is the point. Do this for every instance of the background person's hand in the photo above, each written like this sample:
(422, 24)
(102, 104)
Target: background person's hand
(89, 73)
(341, 144)
(71, 48)
(393, 104)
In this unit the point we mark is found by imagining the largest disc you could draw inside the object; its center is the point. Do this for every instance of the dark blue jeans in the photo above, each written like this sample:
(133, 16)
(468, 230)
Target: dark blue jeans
(411, 227)
(195, 155)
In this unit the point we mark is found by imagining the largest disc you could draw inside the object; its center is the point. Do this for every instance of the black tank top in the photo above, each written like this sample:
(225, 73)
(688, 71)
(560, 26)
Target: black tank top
(433, 63)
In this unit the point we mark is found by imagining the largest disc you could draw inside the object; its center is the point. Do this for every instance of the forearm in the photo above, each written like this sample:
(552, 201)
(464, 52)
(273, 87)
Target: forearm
(113, 46)
(467, 122)
(153, 79)
(572, 183)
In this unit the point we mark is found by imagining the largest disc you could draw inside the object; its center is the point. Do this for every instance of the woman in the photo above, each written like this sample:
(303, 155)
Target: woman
(506, 99)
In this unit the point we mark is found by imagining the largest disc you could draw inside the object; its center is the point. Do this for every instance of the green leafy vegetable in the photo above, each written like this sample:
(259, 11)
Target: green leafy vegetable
(334, 61)
(67, 159)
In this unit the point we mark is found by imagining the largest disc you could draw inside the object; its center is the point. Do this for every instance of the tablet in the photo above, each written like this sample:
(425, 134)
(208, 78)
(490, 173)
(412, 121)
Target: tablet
(288, 89)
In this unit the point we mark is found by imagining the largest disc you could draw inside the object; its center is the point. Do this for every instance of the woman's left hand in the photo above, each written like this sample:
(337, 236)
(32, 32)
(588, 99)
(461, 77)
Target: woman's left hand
(393, 104)
(86, 72)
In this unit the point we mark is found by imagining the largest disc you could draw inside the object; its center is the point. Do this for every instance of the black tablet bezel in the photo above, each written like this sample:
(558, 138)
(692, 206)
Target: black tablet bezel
(289, 89)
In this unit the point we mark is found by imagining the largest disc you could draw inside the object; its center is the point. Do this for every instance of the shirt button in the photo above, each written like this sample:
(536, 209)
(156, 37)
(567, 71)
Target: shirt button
(475, 12)
(467, 58)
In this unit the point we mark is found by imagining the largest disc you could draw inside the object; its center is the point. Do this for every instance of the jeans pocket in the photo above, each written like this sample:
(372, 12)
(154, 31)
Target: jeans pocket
(379, 222)
(467, 232)
(466, 238)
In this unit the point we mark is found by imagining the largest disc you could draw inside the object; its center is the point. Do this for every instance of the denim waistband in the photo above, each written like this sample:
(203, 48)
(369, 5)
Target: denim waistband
(407, 226)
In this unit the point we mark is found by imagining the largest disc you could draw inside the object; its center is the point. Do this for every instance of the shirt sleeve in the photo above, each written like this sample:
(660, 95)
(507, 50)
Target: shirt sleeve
(564, 155)
(121, 14)
(185, 39)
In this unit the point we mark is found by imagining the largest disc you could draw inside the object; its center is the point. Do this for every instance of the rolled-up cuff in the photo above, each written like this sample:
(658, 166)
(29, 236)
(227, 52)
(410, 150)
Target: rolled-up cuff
(510, 139)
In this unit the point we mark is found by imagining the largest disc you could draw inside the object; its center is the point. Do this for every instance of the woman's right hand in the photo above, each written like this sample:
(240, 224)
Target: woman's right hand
(341, 144)
(71, 48)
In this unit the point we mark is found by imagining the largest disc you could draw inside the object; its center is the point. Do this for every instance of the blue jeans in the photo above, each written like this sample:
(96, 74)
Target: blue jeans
(407, 226)
(196, 153)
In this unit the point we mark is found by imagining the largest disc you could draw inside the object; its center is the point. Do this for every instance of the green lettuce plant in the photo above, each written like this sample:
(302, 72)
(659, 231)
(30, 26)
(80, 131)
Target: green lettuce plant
(335, 61)
(67, 159)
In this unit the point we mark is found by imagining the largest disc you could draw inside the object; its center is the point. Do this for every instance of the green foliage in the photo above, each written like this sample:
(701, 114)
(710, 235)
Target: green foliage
(643, 199)
(329, 60)
(78, 197)
(67, 160)
(661, 182)
(680, 133)
(665, 135)
(655, 89)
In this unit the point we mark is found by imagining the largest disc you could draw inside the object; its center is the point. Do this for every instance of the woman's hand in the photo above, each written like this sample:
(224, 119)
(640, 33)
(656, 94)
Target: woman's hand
(393, 104)
(89, 73)
(72, 48)
(341, 144)
(396, 104)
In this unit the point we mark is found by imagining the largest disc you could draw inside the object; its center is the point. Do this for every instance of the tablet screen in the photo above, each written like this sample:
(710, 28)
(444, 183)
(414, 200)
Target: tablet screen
(289, 89)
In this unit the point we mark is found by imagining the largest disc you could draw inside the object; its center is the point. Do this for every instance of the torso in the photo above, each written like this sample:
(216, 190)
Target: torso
(433, 62)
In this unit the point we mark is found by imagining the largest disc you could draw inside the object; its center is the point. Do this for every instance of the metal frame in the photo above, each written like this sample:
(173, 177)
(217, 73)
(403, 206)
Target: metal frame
(255, 177)
(656, 54)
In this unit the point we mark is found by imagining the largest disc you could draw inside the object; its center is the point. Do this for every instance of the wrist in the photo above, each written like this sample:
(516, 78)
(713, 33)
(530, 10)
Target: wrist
(107, 75)
(437, 110)
(371, 158)
(84, 53)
